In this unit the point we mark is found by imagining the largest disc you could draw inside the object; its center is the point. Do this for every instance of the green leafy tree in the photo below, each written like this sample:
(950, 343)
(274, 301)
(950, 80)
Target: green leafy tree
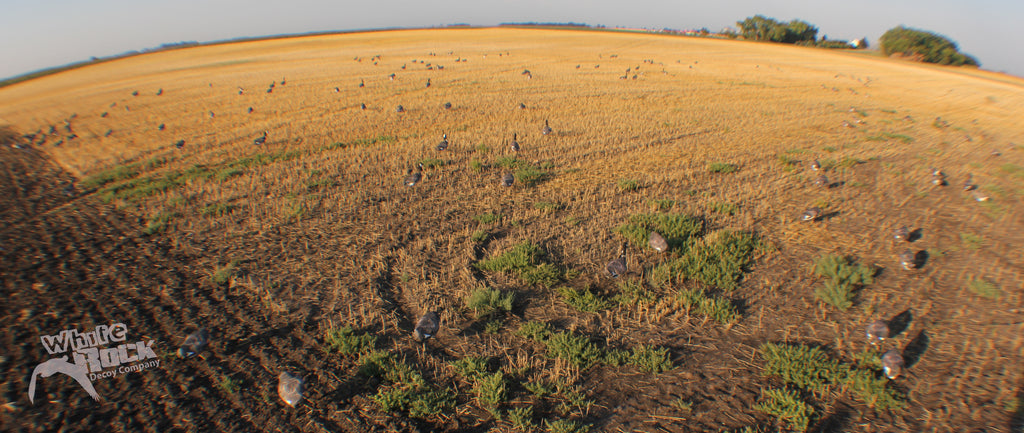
(762, 28)
(923, 46)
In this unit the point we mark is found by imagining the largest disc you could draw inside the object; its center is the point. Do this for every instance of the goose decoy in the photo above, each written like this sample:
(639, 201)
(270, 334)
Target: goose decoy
(106, 134)
(447, 105)
(194, 343)
(270, 90)
(892, 363)
(508, 179)
(969, 183)
(657, 241)
(938, 177)
(547, 129)
(617, 266)
(104, 114)
(515, 143)
(400, 109)
(877, 331)
(283, 82)
(290, 388)
(135, 93)
(260, 140)
(815, 165)
(811, 214)
(179, 144)
(413, 178)
(821, 181)
(161, 127)
(427, 326)
(908, 260)
(443, 145)
(901, 234)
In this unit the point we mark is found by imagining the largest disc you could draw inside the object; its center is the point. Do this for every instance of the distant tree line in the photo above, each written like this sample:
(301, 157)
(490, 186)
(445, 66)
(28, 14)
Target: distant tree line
(569, 24)
(923, 46)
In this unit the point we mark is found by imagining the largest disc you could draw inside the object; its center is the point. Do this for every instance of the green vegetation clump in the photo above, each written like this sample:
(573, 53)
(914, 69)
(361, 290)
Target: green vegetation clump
(810, 369)
(117, 186)
(721, 167)
(632, 292)
(403, 388)
(906, 139)
(346, 341)
(487, 218)
(628, 185)
(842, 279)
(566, 426)
(786, 405)
(230, 385)
(471, 367)
(985, 289)
(217, 209)
(584, 299)
(582, 353)
(526, 260)
(718, 261)
(662, 204)
(158, 222)
(724, 208)
(651, 359)
(677, 229)
(530, 176)
(222, 275)
(486, 301)
(433, 162)
(718, 309)
(522, 418)
(923, 46)
(788, 163)
(490, 390)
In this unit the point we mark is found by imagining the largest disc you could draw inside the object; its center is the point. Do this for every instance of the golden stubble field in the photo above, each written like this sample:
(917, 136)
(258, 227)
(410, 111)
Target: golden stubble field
(270, 246)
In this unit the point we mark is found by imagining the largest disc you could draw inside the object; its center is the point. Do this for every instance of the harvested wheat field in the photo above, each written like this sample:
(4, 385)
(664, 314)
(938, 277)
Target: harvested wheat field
(259, 190)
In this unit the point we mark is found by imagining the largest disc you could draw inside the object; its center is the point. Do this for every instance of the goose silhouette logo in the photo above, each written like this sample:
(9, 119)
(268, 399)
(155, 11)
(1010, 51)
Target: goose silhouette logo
(91, 359)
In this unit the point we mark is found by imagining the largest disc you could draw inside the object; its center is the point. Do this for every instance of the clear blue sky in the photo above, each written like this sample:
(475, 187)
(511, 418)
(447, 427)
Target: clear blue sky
(37, 34)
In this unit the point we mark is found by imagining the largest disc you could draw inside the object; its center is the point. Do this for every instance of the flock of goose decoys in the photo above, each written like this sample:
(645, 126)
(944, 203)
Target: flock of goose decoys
(413, 178)
(877, 331)
(291, 386)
